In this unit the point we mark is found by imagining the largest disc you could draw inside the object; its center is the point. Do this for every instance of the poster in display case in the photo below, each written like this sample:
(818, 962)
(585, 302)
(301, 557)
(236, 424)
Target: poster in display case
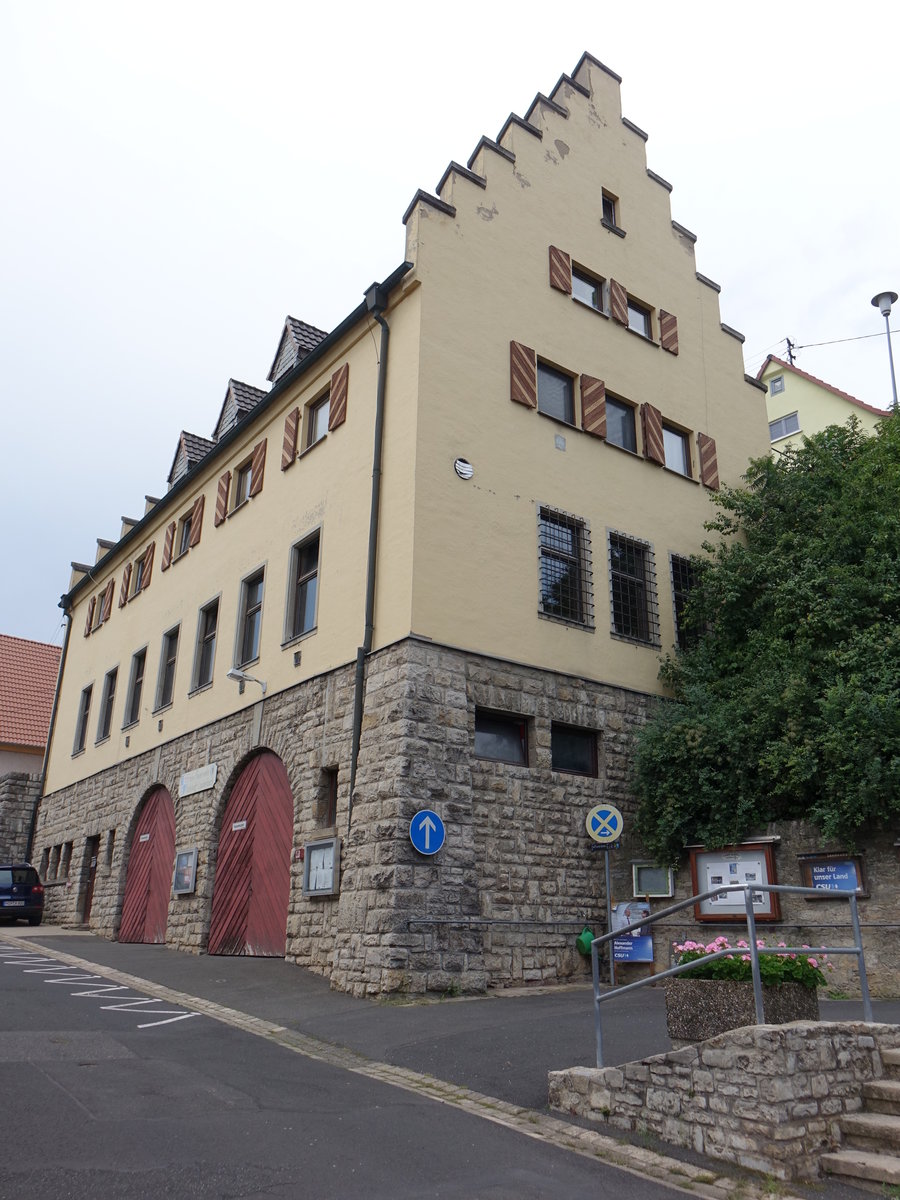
(747, 864)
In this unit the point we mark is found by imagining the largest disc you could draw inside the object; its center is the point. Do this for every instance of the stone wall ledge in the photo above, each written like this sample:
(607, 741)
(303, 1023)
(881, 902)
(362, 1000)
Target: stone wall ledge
(773, 1114)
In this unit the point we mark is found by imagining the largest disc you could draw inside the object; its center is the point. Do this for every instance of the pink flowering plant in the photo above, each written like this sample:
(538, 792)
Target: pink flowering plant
(783, 966)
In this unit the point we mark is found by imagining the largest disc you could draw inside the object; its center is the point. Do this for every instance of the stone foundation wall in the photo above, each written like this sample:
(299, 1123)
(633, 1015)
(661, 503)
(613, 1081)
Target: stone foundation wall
(766, 1097)
(499, 905)
(18, 795)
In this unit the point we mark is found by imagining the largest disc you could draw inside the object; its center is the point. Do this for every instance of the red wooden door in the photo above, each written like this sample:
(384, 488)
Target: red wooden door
(253, 866)
(145, 908)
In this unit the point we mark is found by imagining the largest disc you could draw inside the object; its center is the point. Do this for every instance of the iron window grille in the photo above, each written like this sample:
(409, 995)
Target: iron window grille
(565, 568)
(632, 586)
(684, 576)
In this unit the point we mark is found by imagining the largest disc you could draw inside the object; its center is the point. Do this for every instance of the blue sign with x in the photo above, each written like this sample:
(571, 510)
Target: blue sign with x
(604, 824)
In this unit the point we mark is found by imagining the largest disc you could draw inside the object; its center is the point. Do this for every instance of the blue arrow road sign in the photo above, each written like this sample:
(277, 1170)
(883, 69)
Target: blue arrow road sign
(426, 831)
(604, 824)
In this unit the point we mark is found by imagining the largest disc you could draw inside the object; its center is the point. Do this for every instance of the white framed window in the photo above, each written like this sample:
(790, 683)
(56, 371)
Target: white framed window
(776, 385)
(556, 393)
(784, 426)
(205, 652)
(620, 424)
(587, 289)
(84, 713)
(639, 319)
(317, 419)
(135, 688)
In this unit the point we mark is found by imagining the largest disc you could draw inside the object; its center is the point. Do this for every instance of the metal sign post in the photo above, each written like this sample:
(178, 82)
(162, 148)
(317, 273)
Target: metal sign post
(604, 824)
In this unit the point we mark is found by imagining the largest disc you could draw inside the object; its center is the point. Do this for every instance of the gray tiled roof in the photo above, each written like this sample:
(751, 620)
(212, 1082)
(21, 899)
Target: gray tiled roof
(297, 340)
(193, 448)
(246, 395)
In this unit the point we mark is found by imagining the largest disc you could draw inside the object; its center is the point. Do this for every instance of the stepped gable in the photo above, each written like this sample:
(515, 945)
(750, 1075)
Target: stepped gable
(240, 398)
(534, 123)
(297, 340)
(27, 683)
(190, 450)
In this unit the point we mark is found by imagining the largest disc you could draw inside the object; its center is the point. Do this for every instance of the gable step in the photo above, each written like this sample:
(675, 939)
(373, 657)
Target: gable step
(882, 1095)
(858, 1164)
(871, 1130)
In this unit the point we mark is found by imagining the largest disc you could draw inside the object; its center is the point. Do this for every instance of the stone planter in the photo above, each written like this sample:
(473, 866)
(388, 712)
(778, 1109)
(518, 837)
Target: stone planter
(697, 1009)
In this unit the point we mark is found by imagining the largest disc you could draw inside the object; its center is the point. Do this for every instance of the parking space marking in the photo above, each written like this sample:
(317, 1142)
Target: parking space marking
(75, 975)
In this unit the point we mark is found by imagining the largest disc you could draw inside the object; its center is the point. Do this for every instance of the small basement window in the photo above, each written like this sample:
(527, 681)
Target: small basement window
(573, 750)
(501, 737)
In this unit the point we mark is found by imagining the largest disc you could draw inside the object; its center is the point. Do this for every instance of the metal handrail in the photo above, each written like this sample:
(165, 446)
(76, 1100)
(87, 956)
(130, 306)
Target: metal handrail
(755, 951)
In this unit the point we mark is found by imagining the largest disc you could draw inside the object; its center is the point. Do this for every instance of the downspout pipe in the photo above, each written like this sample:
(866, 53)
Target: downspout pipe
(53, 711)
(376, 302)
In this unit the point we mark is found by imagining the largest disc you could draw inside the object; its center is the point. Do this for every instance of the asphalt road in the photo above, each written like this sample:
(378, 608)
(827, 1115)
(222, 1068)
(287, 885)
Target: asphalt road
(109, 1094)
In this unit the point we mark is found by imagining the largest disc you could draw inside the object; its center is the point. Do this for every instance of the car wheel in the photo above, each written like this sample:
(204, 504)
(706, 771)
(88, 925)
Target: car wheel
(35, 920)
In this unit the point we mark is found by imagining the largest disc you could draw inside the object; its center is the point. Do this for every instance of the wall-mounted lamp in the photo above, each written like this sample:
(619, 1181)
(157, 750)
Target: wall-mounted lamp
(243, 678)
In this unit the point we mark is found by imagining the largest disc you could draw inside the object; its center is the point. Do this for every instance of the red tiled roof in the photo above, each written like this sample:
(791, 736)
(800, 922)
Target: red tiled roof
(879, 412)
(27, 682)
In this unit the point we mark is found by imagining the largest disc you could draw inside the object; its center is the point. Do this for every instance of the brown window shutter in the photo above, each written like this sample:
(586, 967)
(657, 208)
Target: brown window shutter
(652, 430)
(709, 463)
(668, 331)
(107, 601)
(126, 583)
(148, 566)
(289, 449)
(618, 302)
(560, 271)
(92, 603)
(222, 499)
(258, 468)
(167, 547)
(522, 375)
(593, 406)
(196, 522)
(337, 405)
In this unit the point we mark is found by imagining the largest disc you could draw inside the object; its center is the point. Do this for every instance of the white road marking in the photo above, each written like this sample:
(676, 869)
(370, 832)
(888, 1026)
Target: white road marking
(170, 1021)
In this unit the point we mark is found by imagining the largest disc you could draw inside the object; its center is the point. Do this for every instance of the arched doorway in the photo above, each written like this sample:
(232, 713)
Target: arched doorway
(148, 885)
(253, 866)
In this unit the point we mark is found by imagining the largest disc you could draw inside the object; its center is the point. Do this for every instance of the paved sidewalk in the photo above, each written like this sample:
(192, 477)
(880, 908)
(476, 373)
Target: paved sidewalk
(489, 1054)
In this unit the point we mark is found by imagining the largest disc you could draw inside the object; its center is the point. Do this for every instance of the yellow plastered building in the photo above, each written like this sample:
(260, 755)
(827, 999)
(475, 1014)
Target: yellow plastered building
(349, 689)
(800, 405)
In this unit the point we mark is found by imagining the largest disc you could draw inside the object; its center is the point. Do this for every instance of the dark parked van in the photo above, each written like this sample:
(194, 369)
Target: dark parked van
(21, 893)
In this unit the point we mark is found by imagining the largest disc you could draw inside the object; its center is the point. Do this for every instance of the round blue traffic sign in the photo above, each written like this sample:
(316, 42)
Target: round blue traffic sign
(426, 831)
(604, 824)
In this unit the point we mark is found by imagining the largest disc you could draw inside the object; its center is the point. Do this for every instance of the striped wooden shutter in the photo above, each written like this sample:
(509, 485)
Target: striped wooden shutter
(148, 566)
(92, 603)
(560, 271)
(222, 499)
(258, 468)
(652, 430)
(167, 547)
(107, 601)
(709, 463)
(618, 302)
(668, 331)
(126, 583)
(289, 448)
(522, 375)
(593, 406)
(337, 407)
(196, 522)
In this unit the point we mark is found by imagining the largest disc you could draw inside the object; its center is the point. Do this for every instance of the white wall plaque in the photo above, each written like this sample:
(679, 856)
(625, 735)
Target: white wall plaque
(200, 780)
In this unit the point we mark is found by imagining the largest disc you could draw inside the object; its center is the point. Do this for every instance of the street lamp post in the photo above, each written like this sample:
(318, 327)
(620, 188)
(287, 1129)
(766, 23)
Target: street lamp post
(883, 301)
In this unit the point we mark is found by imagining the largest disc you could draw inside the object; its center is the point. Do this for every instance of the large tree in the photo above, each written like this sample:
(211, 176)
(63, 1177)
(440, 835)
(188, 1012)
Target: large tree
(788, 704)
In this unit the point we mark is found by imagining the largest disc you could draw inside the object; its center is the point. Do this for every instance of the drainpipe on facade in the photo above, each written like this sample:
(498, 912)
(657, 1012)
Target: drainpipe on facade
(376, 301)
(43, 780)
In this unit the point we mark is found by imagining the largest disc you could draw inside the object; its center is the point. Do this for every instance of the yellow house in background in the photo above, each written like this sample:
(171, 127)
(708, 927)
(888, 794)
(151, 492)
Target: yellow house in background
(347, 692)
(800, 404)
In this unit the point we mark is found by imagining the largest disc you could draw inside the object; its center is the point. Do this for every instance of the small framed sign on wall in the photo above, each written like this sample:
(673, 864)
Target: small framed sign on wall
(748, 864)
(834, 871)
(185, 880)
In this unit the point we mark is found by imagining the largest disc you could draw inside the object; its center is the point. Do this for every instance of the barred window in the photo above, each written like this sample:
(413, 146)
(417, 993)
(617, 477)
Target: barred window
(632, 584)
(565, 551)
(684, 576)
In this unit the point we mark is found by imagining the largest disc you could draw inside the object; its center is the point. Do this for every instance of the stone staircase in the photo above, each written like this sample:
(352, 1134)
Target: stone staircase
(870, 1153)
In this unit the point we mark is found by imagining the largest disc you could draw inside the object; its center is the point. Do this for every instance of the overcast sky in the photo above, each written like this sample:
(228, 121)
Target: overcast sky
(178, 177)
